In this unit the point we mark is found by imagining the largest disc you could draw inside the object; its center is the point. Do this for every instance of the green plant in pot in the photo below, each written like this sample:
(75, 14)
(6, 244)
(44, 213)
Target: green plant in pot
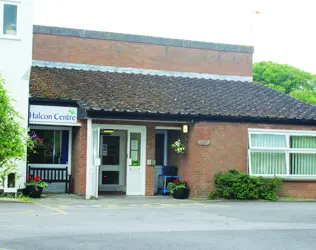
(178, 147)
(179, 189)
(34, 186)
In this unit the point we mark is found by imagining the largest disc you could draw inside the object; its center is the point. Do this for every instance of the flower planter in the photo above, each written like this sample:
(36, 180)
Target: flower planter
(181, 193)
(33, 192)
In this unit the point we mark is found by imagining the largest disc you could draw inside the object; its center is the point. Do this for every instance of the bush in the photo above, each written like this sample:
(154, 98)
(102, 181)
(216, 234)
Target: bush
(237, 185)
(213, 195)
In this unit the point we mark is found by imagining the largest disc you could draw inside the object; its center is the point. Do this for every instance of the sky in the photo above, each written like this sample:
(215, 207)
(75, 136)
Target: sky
(283, 32)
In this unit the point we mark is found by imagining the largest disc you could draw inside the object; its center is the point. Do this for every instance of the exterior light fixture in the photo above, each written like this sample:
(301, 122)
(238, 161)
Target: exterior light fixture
(185, 128)
(108, 131)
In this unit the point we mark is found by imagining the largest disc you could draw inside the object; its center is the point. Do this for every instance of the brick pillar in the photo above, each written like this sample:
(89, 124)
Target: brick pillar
(197, 165)
(150, 151)
(79, 158)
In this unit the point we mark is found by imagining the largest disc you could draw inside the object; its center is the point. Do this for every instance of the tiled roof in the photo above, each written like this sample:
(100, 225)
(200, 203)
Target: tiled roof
(122, 92)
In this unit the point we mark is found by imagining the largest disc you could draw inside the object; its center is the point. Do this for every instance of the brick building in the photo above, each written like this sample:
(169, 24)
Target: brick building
(110, 105)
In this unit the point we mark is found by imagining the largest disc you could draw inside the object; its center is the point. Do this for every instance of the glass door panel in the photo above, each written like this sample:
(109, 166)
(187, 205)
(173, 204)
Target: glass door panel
(135, 149)
(111, 150)
(110, 155)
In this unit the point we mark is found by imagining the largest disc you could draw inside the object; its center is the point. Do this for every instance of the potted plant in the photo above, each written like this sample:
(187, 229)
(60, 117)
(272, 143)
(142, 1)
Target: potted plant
(34, 187)
(178, 147)
(179, 189)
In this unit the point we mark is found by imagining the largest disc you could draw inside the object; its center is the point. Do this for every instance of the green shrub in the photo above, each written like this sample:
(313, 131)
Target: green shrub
(238, 185)
(213, 195)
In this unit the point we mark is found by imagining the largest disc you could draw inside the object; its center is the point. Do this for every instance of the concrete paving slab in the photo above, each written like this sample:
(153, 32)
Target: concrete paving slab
(119, 199)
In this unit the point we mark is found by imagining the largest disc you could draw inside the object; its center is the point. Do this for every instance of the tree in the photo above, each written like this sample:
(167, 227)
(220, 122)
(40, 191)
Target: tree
(288, 79)
(305, 96)
(13, 138)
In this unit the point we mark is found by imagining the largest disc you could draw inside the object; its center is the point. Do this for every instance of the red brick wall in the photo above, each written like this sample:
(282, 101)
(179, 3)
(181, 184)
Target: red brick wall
(79, 158)
(150, 151)
(299, 189)
(227, 149)
(138, 55)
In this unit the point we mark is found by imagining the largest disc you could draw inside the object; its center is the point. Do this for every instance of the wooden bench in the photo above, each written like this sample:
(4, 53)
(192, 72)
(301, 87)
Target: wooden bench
(52, 175)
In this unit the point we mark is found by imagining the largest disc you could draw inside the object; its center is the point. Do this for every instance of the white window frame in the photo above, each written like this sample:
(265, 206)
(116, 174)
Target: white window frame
(6, 36)
(69, 147)
(287, 150)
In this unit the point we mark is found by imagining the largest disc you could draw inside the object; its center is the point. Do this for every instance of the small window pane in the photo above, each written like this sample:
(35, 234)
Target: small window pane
(9, 19)
(303, 164)
(268, 163)
(64, 147)
(135, 148)
(57, 144)
(303, 142)
(268, 141)
(159, 149)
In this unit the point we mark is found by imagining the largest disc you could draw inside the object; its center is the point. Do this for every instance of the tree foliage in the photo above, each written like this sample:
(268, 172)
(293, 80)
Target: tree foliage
(13, 138)
(288, 79)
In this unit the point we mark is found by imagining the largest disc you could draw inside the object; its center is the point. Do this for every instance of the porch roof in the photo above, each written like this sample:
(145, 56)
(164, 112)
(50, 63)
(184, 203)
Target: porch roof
(153, 94)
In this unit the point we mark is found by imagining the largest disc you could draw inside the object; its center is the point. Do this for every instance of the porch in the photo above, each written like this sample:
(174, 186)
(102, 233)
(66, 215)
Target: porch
(126, 157)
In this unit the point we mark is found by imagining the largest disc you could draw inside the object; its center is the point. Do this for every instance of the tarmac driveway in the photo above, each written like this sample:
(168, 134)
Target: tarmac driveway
(154, 224)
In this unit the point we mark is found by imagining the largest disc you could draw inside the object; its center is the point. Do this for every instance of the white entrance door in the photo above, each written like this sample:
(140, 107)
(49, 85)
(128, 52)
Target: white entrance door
(113, 161)
(136, 161)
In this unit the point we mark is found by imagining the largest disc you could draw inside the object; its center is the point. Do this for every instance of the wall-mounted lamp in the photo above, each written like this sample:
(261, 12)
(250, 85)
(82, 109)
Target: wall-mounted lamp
(185, 128)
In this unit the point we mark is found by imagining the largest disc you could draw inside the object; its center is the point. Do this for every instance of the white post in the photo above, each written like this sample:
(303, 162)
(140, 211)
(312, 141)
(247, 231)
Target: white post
(89, 163)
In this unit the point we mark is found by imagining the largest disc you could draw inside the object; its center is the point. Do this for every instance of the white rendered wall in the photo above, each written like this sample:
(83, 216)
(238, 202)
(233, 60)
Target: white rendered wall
(15, 65)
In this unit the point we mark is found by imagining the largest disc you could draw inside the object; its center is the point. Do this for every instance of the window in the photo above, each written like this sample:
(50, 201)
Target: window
(284, 153)
(8, 19)
(160, 149)
(53, 150)
(135, 148)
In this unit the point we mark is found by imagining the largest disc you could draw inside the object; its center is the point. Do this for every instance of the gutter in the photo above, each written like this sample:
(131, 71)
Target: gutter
(167, 117)
(99, 114)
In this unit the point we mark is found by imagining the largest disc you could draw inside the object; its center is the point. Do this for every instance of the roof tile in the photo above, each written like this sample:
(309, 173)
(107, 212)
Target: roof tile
(113, 91)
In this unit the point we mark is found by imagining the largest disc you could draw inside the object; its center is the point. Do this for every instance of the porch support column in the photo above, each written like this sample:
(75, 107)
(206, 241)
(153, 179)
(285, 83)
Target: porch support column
(150, 151)
(89, 164)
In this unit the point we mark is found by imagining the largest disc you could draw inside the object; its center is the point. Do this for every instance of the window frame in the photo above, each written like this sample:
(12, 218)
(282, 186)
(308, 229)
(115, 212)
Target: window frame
(32, 127)
(6, 36)
(286, 150)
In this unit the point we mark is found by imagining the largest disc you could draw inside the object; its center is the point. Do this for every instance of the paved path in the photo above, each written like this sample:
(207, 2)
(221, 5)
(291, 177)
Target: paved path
(154, 225)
